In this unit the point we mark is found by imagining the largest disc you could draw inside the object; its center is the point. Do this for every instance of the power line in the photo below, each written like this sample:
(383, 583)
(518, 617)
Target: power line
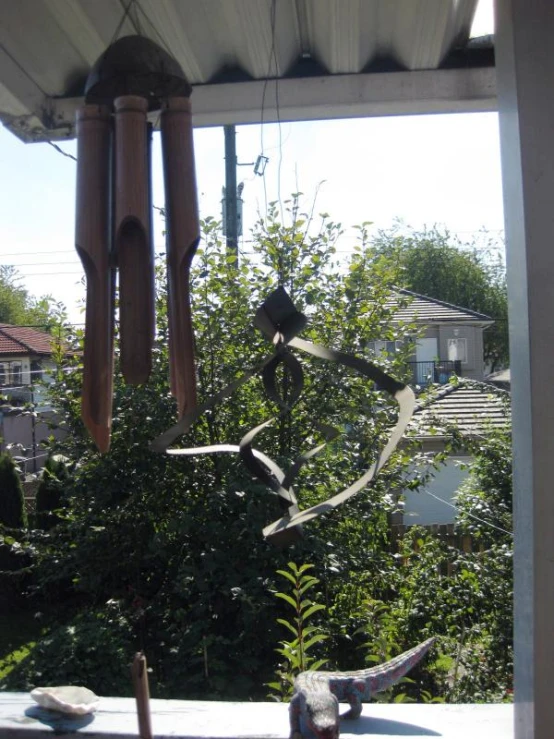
(35, 253)
(30, 459)
(37, 264)
(469, 515)
(48, 274)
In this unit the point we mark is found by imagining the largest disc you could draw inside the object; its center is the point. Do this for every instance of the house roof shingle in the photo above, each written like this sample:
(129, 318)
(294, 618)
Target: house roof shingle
(474, 407)
(430, 310)
(23, 340)
(502, 376)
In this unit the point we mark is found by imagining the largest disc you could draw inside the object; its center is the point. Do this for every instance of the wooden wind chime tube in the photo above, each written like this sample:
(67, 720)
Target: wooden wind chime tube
(92, 239)
(181, 242)
(133, 248)
(133, 77)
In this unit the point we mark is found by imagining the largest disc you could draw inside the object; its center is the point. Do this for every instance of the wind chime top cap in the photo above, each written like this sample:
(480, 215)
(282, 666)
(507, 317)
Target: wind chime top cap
(135, 65)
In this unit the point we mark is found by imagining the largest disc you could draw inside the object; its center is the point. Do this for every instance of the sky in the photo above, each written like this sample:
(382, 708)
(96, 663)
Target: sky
(423, 170)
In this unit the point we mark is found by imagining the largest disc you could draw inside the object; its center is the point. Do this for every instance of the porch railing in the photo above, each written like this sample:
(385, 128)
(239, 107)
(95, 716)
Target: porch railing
(426, 373)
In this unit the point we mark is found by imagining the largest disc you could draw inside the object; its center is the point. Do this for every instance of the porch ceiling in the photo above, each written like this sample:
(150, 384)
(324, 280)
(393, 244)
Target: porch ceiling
(331, 58)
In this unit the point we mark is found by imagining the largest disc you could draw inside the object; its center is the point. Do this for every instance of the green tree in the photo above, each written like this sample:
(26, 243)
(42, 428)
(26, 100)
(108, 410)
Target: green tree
(54, 479)
(175, 542)
(434, 263)
(484, 504)
(166, 553)
(19, 308)
(12, 504)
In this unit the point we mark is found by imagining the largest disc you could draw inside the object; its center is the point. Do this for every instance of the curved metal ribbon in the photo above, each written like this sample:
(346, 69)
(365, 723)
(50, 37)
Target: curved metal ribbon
(280, 321)
(405, 398)
(162, 442)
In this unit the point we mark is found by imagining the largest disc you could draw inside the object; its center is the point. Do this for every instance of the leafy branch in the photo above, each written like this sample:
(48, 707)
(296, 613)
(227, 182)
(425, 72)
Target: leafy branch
(297, 652)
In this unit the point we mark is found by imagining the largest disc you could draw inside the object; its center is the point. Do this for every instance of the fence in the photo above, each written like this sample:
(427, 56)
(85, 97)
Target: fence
(29, 495)
(425, 373)
(444, 531)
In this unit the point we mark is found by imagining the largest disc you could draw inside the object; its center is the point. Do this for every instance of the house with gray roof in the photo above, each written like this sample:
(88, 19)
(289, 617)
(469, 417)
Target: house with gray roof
(448, 363)
(474, 409)
(451, 340)
(501, 379)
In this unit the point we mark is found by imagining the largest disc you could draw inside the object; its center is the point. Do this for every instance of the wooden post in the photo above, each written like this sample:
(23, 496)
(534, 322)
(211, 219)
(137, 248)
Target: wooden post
(139, 674)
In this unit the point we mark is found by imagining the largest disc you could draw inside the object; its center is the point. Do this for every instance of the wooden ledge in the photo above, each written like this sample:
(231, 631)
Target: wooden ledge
(21, 718)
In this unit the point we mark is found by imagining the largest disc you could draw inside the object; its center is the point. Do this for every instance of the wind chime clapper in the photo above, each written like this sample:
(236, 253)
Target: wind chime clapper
(133, 78)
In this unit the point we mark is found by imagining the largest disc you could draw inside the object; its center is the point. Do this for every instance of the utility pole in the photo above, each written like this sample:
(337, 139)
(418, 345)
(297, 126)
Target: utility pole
(232, 195)
(231, 190)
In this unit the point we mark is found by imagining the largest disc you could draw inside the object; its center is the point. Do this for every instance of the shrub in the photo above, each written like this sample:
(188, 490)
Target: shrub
(50, 492)
(12, 503)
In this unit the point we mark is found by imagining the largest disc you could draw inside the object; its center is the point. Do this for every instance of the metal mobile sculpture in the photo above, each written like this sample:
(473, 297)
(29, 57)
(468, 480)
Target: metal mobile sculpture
(281, 322)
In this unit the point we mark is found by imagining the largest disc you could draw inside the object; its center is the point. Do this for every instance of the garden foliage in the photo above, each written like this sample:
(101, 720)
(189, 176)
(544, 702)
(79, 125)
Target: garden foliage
(12, 504)
(50, 492)
(166, 553)
(436, 263)
(296, 653)
(18, 307)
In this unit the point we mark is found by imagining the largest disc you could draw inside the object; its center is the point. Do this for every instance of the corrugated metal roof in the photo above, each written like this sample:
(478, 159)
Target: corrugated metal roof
(19, 340)
(47, 47)
(422, 309)
(474, 407)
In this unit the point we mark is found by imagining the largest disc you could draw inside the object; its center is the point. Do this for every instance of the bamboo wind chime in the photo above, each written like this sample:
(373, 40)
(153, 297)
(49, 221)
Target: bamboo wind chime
(114, 222)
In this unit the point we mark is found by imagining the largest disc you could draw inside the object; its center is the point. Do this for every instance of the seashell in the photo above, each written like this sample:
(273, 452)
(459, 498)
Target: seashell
(70, 699)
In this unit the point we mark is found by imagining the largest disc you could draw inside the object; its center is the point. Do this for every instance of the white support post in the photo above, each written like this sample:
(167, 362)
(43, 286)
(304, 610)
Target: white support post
(525, 86)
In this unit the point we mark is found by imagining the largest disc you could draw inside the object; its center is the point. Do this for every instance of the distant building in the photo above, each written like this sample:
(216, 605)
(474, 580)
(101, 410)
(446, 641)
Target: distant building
(26, 367)
(25, 361)
(451, 344)
(475, 408)
(501, 379)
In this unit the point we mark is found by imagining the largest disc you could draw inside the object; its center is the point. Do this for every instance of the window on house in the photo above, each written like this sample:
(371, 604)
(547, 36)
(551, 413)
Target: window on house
(457, 350)
(378, 346)
(3, 374)
(36, 372)
(17, 375)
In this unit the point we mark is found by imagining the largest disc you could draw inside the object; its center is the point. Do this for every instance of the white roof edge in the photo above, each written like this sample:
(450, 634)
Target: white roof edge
(450, 321)
(467, 90)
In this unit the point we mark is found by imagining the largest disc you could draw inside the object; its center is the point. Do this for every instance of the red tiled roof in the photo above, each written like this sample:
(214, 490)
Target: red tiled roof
(23, 340)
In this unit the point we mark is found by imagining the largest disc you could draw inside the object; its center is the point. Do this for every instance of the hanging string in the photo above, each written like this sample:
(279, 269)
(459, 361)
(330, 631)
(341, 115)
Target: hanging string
(273, 63)
(155, 29)
(122, 21)
(136, 19)
(61, 151)
(277, 104)
(272, 59)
